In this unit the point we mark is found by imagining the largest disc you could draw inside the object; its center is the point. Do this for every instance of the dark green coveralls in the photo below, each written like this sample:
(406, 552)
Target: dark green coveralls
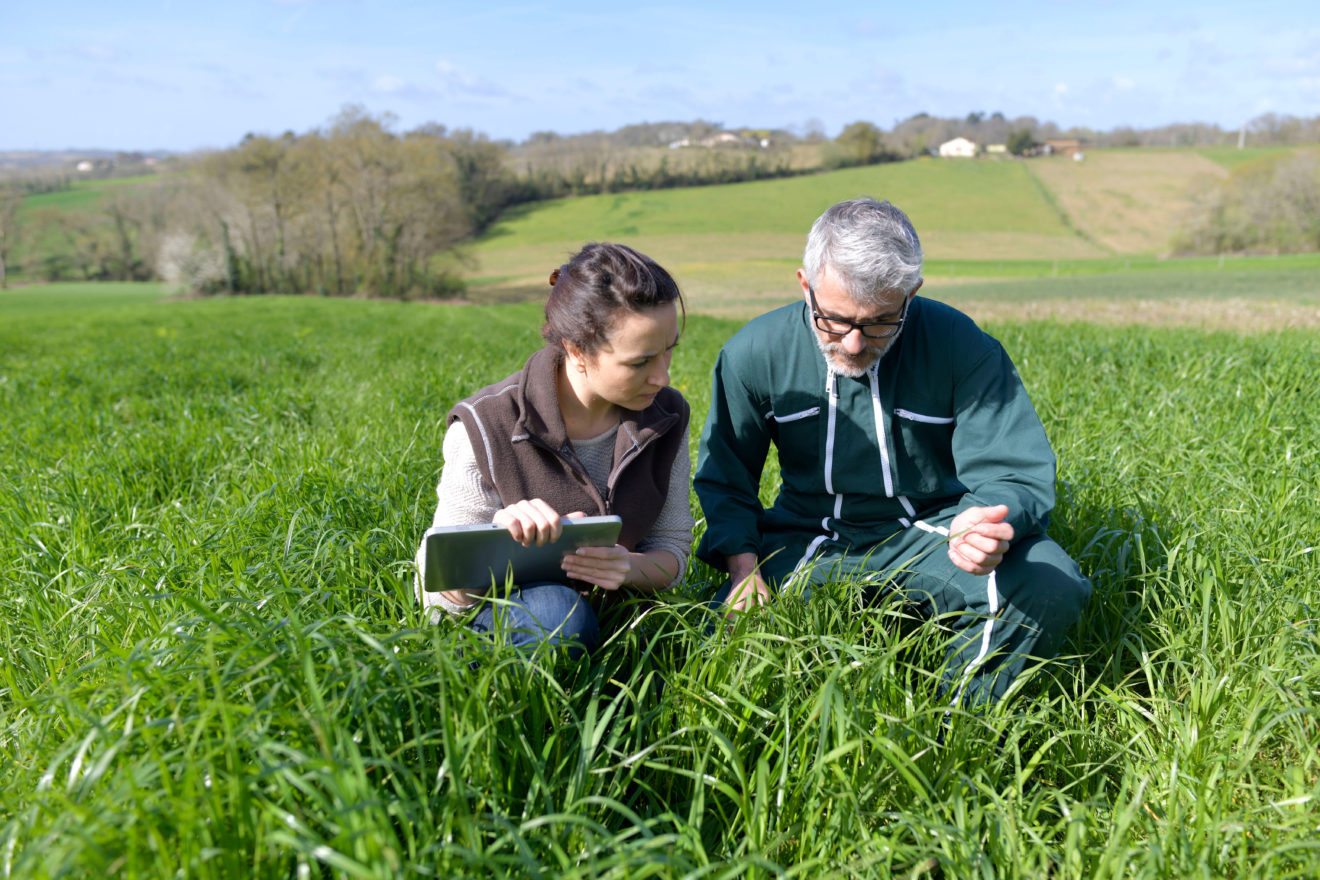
(873, 470)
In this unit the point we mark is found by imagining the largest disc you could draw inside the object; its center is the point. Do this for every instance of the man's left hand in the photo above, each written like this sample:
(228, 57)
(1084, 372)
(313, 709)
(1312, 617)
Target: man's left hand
(979, 538)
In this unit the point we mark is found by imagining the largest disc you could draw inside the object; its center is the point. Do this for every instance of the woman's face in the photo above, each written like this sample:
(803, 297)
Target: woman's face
(632, 365)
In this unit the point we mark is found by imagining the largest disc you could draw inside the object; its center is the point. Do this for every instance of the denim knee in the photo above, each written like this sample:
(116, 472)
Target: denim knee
(542, 613)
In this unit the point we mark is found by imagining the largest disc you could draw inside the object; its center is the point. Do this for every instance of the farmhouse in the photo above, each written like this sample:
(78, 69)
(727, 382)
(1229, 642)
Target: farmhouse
(958, 148)
(1061, 145)
(722, 138)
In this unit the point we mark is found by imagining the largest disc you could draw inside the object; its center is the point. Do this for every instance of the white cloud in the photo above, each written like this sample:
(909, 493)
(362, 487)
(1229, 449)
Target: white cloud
(460, 83)
(1123, 84)
(389, 85)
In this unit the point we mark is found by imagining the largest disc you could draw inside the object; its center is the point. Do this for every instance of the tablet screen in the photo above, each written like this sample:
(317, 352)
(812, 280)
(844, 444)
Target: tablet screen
(474, 557)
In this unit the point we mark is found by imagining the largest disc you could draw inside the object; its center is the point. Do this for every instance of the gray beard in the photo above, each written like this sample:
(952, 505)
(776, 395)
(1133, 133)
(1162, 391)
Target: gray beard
(833, 351)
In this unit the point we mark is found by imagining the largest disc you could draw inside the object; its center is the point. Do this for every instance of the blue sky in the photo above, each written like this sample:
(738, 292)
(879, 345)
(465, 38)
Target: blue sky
(124, 74)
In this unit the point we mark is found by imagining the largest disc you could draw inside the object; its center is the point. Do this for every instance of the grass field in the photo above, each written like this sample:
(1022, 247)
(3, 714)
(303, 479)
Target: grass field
(214, 666)
(82, 194)
(732, 238)
(734, 248)
(1231, 157)
(1128, 201)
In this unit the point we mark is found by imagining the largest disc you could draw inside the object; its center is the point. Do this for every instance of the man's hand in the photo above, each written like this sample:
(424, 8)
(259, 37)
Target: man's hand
(531, 522)
(606, 567)
(751, 589)
(979, 538)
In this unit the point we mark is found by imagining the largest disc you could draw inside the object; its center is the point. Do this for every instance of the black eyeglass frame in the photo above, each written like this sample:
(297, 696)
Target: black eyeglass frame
(818, 319)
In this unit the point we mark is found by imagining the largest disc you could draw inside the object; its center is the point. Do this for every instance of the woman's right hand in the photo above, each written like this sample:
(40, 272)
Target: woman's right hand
(531, 522)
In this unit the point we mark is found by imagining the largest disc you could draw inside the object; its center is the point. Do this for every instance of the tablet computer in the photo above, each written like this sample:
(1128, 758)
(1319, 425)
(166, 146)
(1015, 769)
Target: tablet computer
(475, 557)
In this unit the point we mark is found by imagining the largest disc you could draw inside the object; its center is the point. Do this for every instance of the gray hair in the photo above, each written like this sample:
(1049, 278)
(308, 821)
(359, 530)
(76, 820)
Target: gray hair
(870, 245)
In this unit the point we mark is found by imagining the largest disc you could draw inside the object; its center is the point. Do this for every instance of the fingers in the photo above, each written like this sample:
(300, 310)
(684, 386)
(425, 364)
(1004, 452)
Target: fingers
(606, 567)
(976, 553)
(749, 594)
(988, 538)
(530, 521)
(979, 537)
(973, 560)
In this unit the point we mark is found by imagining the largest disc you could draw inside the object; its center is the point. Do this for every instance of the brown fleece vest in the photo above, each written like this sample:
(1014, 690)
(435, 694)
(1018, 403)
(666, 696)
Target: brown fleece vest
(522, 448)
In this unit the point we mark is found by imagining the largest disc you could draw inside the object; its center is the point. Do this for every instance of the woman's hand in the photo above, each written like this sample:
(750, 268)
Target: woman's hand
(606, 567)
(531, 522)
(461, 598)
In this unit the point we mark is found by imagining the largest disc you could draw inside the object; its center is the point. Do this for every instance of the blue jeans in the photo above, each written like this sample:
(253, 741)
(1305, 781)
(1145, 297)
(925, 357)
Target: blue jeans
(540, 614)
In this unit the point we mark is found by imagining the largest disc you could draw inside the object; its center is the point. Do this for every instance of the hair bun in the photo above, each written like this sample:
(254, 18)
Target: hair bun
(554, 277)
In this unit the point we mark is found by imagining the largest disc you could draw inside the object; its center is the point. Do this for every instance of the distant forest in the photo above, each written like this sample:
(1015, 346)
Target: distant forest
(359, 208)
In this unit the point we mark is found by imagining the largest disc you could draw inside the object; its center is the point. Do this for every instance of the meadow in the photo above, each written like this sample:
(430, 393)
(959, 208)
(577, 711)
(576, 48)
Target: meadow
(734, 248)
(215, 667)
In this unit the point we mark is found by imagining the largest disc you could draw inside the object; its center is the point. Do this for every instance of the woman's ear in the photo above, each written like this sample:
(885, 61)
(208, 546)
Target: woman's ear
(574, 358)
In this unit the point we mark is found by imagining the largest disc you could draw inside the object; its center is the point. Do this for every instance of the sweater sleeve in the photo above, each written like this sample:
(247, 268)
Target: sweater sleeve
(730, 459)
(462, 498)
(673, 527)
(999, 445)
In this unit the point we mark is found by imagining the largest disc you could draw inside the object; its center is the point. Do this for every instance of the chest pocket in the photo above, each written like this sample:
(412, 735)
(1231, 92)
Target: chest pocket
(779, 419)
(798, 435)
(796, 426)
(925, 453)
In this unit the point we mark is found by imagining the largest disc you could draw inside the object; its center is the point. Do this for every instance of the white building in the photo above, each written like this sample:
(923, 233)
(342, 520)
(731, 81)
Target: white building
(958, 148)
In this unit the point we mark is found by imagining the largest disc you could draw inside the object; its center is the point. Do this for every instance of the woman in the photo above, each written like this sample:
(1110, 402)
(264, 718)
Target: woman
(589, 426)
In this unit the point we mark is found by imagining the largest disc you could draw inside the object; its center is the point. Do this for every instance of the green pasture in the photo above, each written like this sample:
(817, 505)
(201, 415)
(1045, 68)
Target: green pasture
(1269, 286)
(82, 194)
(1232, 157)
(1257, 285)
(734, 248)
(953, 196)
(214, 666)
(714, 238)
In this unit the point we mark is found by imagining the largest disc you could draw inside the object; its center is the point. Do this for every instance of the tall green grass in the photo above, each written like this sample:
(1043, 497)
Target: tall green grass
(214, 666)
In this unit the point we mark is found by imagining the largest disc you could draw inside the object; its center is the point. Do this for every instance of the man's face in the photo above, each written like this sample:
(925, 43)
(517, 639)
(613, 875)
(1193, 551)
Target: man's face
(850, 353)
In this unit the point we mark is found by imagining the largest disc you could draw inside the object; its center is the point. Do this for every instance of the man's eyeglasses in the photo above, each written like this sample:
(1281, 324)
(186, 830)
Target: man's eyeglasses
(842, 326)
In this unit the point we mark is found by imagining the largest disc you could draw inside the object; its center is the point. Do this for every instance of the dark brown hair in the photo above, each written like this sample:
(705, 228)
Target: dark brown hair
(598, 282)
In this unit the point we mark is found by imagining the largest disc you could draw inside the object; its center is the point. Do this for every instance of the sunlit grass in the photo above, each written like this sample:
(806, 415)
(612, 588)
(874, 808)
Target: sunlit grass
(214, 666)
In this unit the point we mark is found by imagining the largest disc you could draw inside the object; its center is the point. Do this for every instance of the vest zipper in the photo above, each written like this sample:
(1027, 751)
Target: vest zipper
(575, 464)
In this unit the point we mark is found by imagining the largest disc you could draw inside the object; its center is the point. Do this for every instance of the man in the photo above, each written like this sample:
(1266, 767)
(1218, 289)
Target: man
(909, 452)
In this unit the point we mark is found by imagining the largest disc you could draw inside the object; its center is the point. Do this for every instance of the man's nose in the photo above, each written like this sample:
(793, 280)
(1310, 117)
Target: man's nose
(854, 342)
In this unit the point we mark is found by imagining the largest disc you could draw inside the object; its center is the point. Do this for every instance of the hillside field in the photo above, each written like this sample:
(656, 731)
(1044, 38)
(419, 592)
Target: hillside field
(214, 666)
(82, 194)
(734, 248)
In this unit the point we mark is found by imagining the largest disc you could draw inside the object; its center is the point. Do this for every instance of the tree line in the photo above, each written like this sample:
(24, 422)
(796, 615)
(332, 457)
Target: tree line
(353, 208)
(1271, 205)
(357, 208)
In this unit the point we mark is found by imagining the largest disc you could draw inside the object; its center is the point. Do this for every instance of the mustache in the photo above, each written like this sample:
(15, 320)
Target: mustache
(834, 348)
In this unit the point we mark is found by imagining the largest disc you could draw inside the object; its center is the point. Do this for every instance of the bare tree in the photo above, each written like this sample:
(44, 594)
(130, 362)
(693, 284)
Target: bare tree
(10, 201)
